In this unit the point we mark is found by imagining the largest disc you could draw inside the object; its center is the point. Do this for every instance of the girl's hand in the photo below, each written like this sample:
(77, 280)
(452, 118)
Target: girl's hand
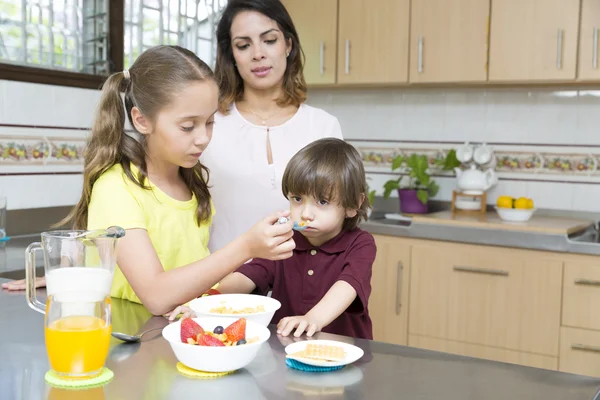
(301, 323)
(186, 311)
(21, 284)
(270, 240)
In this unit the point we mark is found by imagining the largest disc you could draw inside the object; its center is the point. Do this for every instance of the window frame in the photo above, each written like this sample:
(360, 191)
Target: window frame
(12, 72)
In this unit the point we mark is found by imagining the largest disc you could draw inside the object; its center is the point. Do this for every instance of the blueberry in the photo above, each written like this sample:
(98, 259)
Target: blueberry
(239, 342)
(218, 330)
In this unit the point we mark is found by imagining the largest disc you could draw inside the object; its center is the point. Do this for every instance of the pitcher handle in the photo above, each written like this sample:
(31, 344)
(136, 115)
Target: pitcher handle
(30, 278)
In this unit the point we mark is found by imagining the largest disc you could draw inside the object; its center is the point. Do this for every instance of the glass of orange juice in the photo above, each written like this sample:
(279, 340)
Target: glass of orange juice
(77, 330)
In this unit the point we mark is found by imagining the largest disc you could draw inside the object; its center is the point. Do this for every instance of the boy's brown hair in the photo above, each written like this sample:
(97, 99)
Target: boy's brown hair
(329, 169)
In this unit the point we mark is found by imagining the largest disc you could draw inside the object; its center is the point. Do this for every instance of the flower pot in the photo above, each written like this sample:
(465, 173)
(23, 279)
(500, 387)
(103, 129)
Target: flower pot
(410, 203)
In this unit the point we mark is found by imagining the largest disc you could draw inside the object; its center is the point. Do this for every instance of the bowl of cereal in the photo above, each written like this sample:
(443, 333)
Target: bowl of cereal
(255, 308)
(215, 344)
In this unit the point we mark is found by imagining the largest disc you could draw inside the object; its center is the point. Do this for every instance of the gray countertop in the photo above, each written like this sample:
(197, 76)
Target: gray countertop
(147, 370)
(584, 243)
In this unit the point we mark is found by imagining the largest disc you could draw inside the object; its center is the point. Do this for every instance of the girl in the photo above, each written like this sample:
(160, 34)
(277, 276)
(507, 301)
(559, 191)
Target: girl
(150, 182)
(326, 284)
(262, 120)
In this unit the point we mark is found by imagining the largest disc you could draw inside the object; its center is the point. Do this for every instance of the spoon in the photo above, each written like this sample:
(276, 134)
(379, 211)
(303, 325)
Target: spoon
(297, 227)
(132, 338)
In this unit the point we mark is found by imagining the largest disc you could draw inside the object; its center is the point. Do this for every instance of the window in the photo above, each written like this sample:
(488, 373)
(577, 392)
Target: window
(79, 42)
(188, 23)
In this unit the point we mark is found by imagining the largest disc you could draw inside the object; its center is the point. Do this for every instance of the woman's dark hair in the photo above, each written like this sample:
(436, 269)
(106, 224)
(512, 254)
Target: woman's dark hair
(230, 82)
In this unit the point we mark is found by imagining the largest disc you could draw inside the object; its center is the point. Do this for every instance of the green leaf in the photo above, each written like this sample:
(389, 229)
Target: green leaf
(389, 186)
(451, 162)
(397, 162)
(371, 197)
(423, 196)
(433, 189)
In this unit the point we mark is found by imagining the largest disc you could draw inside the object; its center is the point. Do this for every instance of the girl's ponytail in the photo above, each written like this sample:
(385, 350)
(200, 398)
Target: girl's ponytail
(103, 149)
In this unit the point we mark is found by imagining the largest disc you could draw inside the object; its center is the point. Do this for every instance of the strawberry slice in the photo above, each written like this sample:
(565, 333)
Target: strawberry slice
(207, 340)
(190, 329)
(236, 331)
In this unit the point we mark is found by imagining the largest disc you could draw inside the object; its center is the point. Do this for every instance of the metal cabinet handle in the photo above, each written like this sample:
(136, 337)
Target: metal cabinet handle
(399, 288)
(588, 282)
(322, 57)
(559, 46)
(347, 66)
(585, 347)
(485, 271)
(420, 55)
(595, 52)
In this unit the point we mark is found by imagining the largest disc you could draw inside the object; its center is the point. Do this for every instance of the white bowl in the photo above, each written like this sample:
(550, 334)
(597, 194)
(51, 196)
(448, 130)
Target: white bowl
(203, 305)
(216, 359)
(515, 214)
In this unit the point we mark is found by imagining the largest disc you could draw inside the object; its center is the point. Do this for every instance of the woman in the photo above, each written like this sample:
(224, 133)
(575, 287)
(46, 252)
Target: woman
(262, 120)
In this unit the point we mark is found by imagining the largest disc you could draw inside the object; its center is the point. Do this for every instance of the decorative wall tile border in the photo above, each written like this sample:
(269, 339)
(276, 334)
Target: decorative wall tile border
(540, 163)
(43, 150)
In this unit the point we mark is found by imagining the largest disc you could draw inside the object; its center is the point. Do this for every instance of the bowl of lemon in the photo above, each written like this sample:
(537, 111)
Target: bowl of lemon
(514, 210)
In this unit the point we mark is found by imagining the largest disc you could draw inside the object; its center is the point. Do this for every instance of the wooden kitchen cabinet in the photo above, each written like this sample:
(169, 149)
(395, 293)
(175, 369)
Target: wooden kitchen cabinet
(316, 23)
(533, 40)
(581, 293)
(449, 40)
(388, 304)
(373, 41)
(579, 351)
(482, 295)
(589, 64)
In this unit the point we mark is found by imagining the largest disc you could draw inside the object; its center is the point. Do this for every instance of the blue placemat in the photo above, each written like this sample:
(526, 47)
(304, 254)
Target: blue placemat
(295, 364)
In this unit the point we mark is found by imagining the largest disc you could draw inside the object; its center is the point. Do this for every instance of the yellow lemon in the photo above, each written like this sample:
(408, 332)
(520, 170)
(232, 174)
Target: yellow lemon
(530, 203)
(505, 202)
(521, 202)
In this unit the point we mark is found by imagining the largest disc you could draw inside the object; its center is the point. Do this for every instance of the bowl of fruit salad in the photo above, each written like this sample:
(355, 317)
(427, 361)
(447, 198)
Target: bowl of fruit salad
(255, 308)
(215, 344)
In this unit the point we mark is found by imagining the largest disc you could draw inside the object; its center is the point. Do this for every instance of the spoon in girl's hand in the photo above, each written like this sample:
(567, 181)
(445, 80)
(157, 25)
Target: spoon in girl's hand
(297, 226)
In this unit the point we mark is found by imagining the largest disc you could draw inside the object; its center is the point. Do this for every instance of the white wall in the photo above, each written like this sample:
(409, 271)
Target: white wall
(45, 183)
(513, 120)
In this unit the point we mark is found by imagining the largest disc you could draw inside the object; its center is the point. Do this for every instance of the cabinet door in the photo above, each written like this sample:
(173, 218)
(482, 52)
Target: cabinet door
(373, 41)
(316, 23)
(388, 305)
(579, 351)
(589, 64)
(581, 294)
(533, 40)
(449, 40)
(485, 295)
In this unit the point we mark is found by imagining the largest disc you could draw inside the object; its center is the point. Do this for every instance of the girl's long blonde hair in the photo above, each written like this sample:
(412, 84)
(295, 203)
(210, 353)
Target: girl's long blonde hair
(154, 77)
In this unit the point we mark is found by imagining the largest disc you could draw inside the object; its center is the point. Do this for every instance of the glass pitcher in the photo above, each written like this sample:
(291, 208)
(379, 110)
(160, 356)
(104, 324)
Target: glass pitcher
(77, 331)
(74, 261)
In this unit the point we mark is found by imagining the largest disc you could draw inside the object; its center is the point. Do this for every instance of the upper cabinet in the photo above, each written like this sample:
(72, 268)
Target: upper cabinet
(534, 40)
(316, 23)
(400, 42)
(449, 40)
(373, 41)
(589, 67)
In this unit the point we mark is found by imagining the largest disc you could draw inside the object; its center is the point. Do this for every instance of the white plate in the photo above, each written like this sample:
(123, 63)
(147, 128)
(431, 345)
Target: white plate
(353, 353)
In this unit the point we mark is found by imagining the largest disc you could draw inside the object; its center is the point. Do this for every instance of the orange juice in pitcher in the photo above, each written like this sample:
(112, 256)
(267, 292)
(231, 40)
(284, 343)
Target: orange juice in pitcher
(77, 345)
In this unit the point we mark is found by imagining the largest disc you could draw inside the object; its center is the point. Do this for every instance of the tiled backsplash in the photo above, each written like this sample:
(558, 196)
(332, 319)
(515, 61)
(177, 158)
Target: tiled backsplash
(545, 140)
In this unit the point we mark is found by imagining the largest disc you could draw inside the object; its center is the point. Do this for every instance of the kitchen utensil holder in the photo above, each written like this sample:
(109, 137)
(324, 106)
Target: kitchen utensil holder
(481, 213)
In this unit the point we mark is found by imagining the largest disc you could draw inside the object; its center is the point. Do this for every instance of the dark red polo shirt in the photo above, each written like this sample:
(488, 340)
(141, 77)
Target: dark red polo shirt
(302, 280)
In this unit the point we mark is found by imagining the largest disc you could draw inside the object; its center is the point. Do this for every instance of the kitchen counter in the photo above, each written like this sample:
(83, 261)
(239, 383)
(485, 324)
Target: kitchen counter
(12, 257)
(386, 371)
(544, 231)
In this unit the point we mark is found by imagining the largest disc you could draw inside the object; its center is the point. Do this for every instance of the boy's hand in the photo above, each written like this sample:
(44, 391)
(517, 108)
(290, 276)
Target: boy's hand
(302, 323)
(186, 311)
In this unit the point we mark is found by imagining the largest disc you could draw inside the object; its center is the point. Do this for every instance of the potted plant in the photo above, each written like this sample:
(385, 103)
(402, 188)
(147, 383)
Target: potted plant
(414, 196)
(371, 198)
